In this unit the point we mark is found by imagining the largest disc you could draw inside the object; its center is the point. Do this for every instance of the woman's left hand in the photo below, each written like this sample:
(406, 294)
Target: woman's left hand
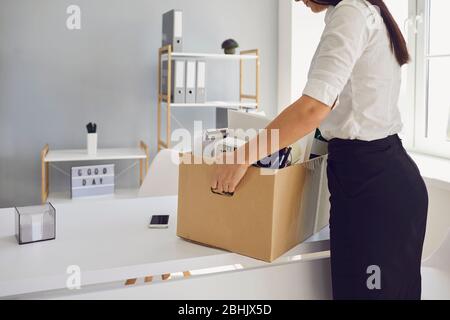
(227, 177)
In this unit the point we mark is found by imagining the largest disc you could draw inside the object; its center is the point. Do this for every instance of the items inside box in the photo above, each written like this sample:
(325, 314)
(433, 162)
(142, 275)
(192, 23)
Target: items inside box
(223, 140)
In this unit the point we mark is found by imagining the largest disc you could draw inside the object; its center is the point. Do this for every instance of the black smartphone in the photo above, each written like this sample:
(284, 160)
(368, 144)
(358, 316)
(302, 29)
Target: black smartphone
(159, 222)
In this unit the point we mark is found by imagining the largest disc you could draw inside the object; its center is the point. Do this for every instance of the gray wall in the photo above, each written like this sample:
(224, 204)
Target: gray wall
(53, 81)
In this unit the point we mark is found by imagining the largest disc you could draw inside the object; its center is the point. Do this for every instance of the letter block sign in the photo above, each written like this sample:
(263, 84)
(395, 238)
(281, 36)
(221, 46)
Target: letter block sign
(92, 181)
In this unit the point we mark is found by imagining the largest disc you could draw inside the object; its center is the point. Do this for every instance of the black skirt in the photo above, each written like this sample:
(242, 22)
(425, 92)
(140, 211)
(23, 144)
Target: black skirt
(379, 205)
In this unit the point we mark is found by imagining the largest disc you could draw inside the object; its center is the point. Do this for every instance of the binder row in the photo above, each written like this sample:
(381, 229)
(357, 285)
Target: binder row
(188, 78)
(188, 81)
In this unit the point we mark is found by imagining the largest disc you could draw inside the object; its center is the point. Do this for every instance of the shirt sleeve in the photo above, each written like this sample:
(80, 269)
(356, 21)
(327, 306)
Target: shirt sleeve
(343, 41)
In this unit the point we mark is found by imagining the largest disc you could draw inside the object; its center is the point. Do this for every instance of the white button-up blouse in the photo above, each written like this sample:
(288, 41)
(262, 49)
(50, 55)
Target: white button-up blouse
(355, 70)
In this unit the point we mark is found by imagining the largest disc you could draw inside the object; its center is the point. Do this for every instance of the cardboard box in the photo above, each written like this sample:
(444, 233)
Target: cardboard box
(267, 216)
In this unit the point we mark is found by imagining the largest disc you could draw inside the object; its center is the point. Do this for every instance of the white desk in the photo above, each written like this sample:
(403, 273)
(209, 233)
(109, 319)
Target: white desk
(117, 253)
(50, 156)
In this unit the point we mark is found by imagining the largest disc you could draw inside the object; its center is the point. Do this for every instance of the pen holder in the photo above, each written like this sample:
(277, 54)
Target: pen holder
(34, 224)
(92, 144)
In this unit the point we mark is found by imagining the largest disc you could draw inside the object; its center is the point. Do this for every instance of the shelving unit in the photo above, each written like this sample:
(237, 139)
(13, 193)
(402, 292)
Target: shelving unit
(246, 101)
(48, 156)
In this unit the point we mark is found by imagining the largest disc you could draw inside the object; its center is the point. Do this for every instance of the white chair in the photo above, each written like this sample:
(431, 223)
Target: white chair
(162, 176)
(436, 273)
(440, 258)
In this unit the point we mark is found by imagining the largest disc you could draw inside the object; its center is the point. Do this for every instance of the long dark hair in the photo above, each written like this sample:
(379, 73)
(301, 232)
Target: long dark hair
(398, 43)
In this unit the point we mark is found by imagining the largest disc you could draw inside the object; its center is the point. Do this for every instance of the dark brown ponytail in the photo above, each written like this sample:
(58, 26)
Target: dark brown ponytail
(398, 43)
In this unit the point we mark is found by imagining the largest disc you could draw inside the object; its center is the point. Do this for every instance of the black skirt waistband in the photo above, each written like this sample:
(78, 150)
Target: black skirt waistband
(338, 144)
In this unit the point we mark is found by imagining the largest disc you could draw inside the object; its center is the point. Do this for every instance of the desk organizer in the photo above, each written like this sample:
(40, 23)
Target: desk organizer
(35, 224)
(92, 144)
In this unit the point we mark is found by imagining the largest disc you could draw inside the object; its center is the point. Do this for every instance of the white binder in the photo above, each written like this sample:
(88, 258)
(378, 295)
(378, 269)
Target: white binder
(179, 92)
(190, 81)
(178, 81)
(201, 82)
(173, 30)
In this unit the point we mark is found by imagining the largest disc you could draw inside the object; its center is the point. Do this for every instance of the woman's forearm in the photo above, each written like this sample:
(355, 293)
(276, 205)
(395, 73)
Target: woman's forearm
(294, 123)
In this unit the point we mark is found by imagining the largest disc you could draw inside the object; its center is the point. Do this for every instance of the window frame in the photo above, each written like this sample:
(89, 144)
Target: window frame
(418, 79)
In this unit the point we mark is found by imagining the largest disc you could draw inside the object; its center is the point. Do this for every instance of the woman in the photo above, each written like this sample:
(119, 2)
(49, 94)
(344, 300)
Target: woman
(379, 201)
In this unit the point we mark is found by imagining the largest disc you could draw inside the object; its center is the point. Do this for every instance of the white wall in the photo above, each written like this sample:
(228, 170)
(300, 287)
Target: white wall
(53, 81)
(307, 30)
(284, 53)
(299, 34)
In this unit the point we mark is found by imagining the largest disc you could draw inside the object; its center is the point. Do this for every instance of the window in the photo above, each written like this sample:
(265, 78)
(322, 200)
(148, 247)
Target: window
(425, 93)
(425, 96)
(432, 78)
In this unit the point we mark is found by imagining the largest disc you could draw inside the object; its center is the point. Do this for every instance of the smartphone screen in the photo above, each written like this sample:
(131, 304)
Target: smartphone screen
(161, 220)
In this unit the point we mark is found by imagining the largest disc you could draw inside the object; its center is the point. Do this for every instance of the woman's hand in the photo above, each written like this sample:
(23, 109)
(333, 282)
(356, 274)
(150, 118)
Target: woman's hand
(227, 177)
